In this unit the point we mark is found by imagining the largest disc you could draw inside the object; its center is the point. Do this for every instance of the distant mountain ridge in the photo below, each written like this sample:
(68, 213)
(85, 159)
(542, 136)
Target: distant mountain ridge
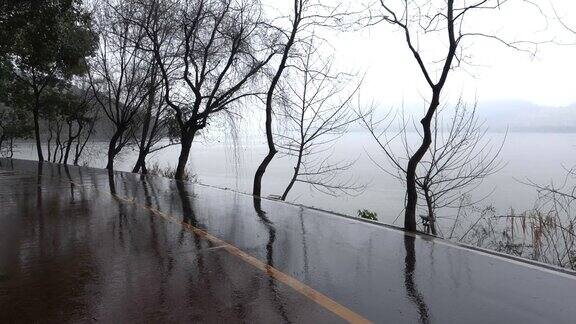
(526, 116)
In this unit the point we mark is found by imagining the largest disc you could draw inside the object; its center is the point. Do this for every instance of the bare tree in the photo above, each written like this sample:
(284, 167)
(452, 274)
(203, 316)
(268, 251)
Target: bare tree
(14, 124)
(57, 105)
(208, 53)
(155, 121)
(305, 15)
(316, 104)
(419, 20)
(119, 72)
(80, 119)
(545, 233)
(460, 158)
(55, 125)
(552, 223)
(297, 17)
(55, 128)
(84, 134)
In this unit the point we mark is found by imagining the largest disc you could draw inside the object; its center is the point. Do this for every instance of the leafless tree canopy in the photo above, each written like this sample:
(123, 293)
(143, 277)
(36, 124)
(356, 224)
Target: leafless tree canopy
(296, 29)
(120, 71)
(155, 121)
(317, 108)
(460, 158)
(443, 24)
(208, 52)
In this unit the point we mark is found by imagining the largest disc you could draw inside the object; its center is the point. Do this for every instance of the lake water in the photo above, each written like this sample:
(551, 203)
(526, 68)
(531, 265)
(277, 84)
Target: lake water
(539, 157)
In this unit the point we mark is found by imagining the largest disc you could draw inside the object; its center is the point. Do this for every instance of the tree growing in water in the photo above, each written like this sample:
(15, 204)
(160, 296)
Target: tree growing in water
(304, 17)
(120, 73)
(445, 24)
(316, 105)
(459, 159)
(208, 54)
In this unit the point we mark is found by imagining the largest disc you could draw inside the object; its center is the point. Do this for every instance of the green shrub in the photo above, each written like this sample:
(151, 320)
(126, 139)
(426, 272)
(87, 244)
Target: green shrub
(366, 214)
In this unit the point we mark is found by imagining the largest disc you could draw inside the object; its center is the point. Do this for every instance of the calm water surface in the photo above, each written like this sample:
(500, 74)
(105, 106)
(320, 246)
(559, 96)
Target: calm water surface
(540, 157)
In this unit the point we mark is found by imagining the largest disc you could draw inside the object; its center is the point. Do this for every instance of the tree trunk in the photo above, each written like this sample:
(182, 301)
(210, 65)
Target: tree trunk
(289, 187)
(143, 145)
(257, 187)
(77, 152)
(68, 145)
(294, 176)
(113, 148)
(186, 139)
(2, 137)
(49, 142)
(71, 139)
(79, 148)
(411, 192)
(136, 167)
(36, 112)
(144, 149)
(140, 162)
(431, 216)
(67, 154)
(111, 156)
(59, 145)
(11, 147)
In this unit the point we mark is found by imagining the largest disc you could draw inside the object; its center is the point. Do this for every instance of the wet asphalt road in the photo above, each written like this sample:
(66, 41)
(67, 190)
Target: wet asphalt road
(83, 245)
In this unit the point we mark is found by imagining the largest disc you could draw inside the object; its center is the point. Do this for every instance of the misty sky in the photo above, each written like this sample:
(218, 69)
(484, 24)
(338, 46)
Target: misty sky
(497, 72)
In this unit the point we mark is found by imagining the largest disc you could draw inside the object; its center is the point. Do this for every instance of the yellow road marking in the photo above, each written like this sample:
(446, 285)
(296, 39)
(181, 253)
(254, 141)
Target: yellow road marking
(319, 298)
